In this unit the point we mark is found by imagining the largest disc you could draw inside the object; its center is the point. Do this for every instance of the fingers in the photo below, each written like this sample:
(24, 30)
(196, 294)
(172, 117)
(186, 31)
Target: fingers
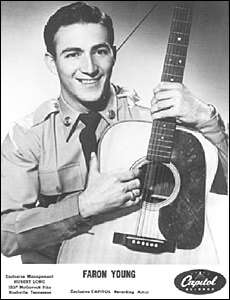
(162, 93)
(132, 195)
(131, 185)
(164, 86)
(167, 113)
(165, 104)
(133, 201)
(128, 175)
(167, 100)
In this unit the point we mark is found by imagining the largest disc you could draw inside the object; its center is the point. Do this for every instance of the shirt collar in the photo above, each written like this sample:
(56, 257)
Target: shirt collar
(69, 115)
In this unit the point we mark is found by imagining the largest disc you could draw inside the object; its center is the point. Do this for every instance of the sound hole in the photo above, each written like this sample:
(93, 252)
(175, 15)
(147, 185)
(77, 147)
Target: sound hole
(157, 182)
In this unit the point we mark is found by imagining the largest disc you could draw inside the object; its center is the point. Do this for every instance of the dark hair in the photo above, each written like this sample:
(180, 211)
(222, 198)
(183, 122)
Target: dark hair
(78, 12)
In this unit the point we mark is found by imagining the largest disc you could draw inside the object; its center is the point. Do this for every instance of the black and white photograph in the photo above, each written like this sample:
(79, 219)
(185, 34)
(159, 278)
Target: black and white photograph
(114, 149)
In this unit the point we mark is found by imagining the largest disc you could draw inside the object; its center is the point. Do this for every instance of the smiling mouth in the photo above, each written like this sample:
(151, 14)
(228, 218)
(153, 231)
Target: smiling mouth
(88, 81)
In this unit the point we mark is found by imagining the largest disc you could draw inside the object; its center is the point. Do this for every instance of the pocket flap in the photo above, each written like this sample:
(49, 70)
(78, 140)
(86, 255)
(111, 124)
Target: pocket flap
(65, 180)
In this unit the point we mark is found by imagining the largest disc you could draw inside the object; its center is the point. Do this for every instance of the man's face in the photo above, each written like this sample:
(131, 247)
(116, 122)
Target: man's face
(84, 61)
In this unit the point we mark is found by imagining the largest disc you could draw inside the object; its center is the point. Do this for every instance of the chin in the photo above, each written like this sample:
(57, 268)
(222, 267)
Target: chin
(90, 98)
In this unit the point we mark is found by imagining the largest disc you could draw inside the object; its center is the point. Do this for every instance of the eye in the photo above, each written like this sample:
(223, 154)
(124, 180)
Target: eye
(102, 51)
(73, 55)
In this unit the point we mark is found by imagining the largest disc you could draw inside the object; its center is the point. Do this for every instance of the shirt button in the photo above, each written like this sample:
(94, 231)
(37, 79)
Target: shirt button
(111, 114)
(67, 121)
(58, 189)
(56, 105)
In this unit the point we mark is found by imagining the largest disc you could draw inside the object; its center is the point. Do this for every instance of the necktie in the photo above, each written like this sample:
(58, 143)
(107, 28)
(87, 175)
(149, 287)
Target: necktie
(87, 136)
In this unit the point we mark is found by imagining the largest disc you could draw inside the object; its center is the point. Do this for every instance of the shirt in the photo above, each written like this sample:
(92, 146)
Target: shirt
(44, 170)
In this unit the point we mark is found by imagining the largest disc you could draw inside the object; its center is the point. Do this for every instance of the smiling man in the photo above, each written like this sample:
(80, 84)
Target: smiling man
(49, 156)
(83, 59)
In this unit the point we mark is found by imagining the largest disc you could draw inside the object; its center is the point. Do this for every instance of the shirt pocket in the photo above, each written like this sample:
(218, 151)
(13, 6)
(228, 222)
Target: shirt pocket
(64, 180)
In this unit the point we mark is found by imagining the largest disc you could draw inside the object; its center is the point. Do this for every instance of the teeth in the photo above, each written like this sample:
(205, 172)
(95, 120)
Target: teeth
(88, 81)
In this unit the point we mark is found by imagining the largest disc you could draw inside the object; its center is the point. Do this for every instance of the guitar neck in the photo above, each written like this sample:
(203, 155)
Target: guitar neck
(162, 135)
(174, 63)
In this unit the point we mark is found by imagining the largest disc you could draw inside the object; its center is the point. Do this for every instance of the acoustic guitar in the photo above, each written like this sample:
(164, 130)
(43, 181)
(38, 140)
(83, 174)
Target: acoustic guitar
(177, 170)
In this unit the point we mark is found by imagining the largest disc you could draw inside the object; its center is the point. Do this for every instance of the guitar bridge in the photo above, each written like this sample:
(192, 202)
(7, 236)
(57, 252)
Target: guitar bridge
(144, 244)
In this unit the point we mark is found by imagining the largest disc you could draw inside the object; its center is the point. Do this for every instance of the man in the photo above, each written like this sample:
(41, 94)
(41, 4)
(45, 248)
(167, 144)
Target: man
(56, 186)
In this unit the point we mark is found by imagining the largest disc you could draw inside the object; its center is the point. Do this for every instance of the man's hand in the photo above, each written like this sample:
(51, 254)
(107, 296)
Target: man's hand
(175, 100)
(105, 192)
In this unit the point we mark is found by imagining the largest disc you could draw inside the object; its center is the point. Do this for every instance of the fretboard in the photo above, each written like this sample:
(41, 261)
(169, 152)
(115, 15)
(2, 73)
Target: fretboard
(162, 135)
(174, 63)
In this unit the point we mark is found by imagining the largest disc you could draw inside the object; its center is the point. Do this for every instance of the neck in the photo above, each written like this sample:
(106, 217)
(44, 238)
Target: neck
(85, 106)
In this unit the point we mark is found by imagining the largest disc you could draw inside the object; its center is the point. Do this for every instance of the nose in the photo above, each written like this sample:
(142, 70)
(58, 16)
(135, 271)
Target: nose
(88, 66)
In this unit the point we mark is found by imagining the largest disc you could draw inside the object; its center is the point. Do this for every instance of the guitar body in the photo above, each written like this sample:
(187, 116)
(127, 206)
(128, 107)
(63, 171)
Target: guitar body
(181, 217)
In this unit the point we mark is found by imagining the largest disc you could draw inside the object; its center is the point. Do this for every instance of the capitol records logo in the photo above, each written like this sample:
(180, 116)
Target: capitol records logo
(199, 282)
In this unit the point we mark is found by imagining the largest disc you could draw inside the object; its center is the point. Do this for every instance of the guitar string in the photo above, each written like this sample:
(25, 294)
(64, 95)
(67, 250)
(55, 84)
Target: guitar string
(156, 168)
(156, 172)
(140, 222)
(165, 175)
(143, 200)
(165, 179)
(151, 173)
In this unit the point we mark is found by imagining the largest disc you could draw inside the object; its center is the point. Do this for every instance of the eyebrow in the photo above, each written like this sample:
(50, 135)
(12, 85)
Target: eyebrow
(71, 49)
(77, 49)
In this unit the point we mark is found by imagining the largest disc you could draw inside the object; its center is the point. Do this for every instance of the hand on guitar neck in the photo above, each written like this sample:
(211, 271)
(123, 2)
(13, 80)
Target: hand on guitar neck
(105, 192)
(175, 100)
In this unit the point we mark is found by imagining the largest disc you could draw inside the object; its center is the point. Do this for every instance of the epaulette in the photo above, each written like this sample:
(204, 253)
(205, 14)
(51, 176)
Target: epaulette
(39, 115)
(131, 95)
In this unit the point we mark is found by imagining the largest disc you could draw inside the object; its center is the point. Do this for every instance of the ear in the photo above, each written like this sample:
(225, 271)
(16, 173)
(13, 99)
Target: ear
(50, 63)
(114, 48)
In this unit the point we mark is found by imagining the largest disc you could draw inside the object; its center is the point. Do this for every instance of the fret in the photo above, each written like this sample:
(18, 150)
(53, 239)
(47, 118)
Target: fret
(176, 55)
(160, 148)
(155, 145)
(157, 151)
(183, 6)
(173, 70)
(165, 141)
(173, 75)
(163, 135)
(180, 7)
(160, 158)
(179, 38)
(159, 155)
(177, 66)
(176, 50)
(180, 27)
(178, 44)
(164, 124)
(159, 145)
(182, 13)
(162, 127)
(163, 146)
(162, 130)
(175, 60)
(168, 78)
(156, 139)
(182, 33)
(183, 17)
(181, 21)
